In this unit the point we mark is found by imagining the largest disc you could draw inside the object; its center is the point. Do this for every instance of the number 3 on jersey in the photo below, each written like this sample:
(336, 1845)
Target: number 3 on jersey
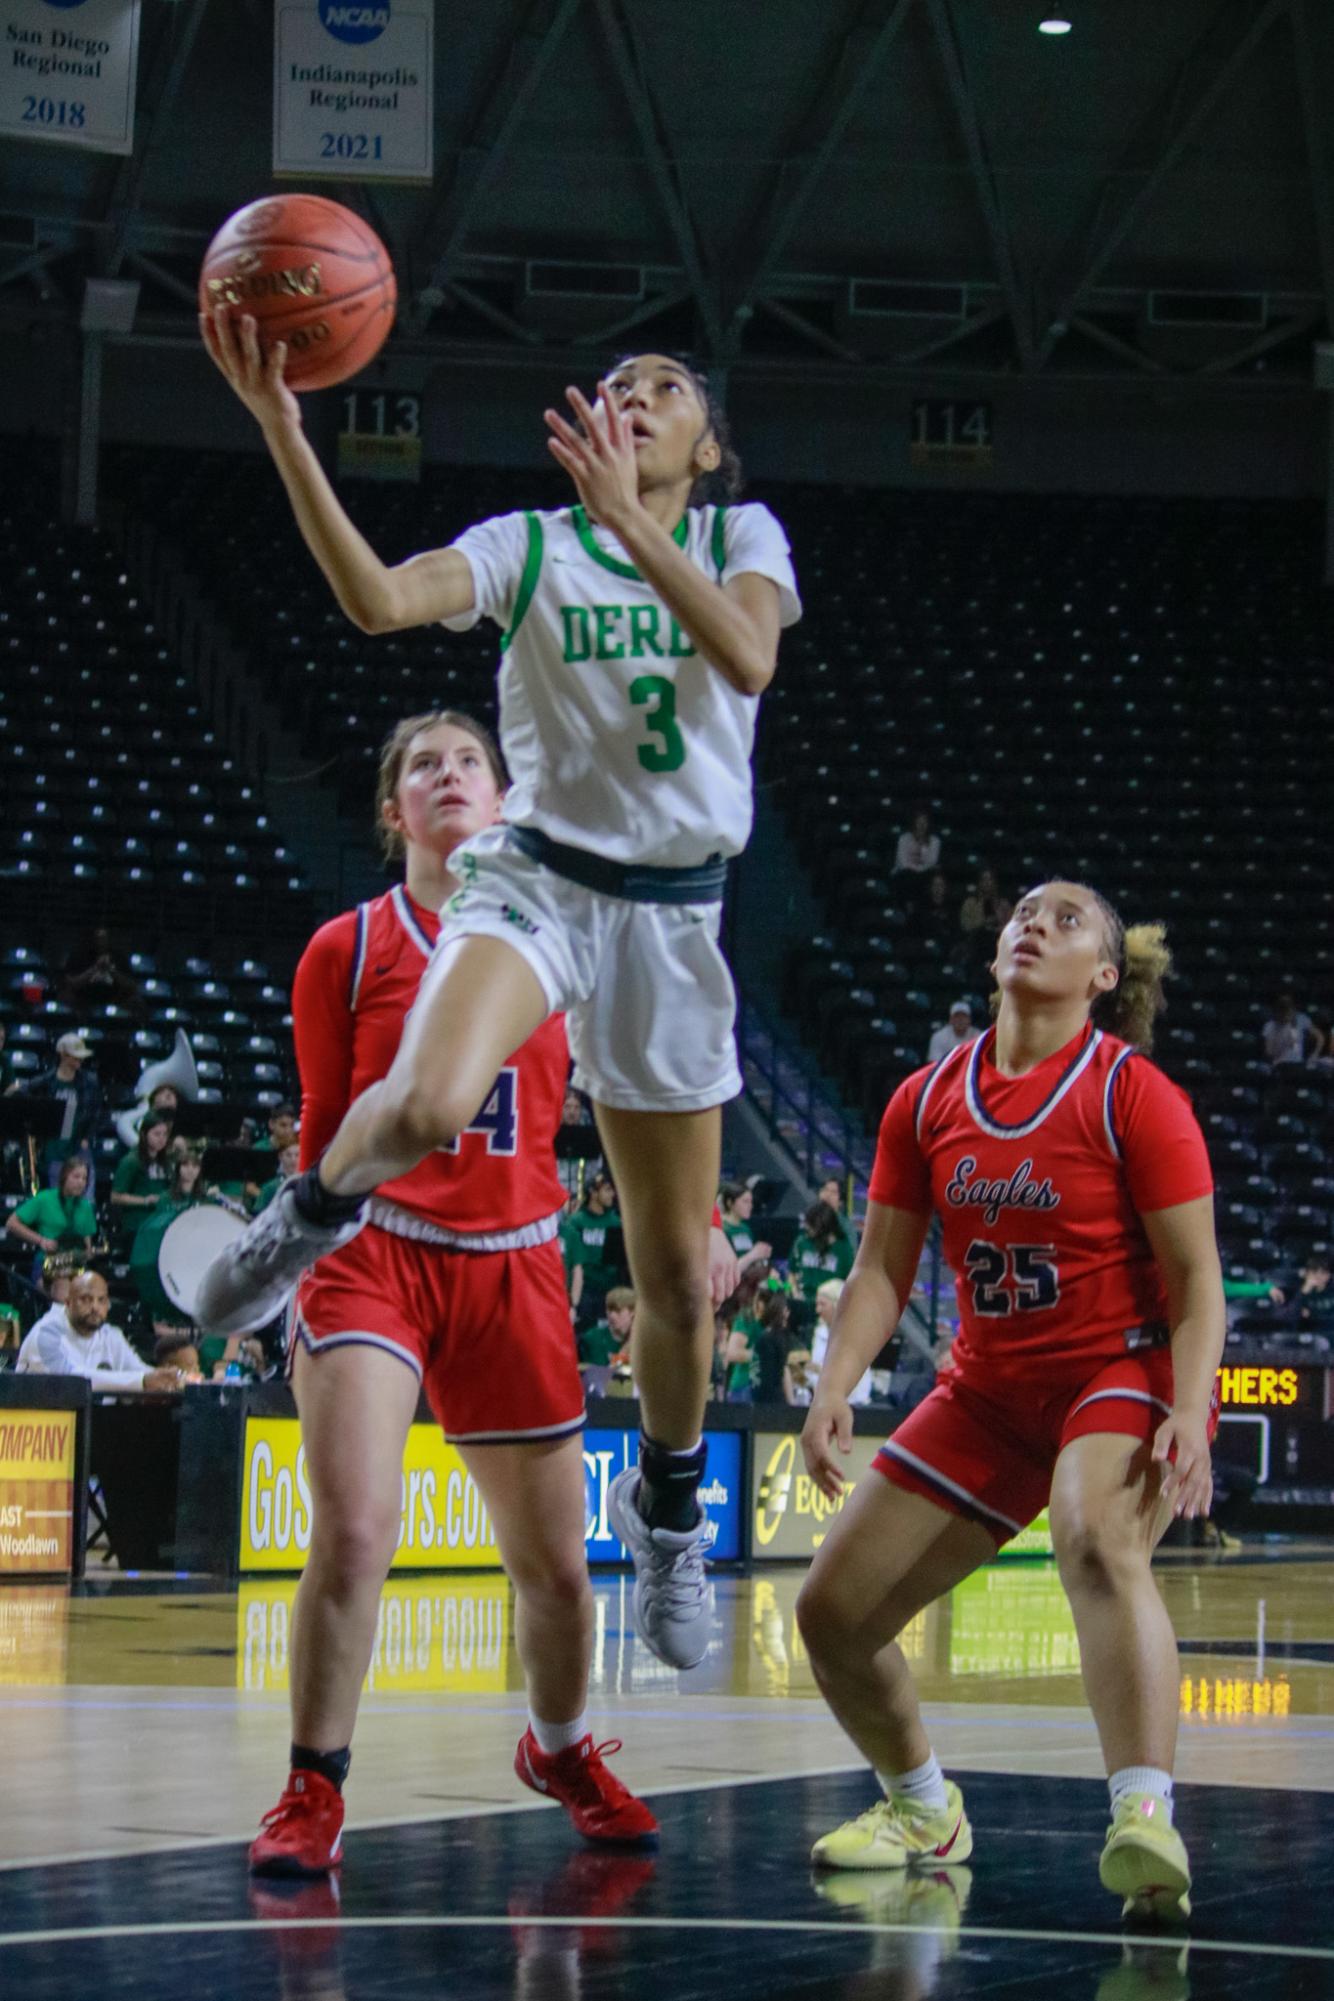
(1012, 1278)
(670, 754)
(498, 1120)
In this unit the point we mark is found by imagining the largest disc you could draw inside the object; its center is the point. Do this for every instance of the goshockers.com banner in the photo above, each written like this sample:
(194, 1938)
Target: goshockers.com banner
(67, 70)
(444, 1523)
(353, 89)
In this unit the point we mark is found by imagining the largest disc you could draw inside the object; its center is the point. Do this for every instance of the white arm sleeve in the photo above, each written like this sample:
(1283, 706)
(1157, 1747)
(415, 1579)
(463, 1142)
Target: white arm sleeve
(755, 543)
(496, 551)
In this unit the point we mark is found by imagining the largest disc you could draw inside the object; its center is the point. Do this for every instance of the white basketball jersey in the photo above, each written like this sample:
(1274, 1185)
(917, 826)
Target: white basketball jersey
(619, 737)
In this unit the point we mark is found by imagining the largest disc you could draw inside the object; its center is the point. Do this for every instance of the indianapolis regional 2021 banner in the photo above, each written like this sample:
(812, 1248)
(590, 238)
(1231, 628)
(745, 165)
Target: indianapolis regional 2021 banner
(67, 71)
(353, 89)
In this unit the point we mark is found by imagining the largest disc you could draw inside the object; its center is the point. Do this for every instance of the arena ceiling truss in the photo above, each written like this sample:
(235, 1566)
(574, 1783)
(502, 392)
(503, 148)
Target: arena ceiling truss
(896, 186)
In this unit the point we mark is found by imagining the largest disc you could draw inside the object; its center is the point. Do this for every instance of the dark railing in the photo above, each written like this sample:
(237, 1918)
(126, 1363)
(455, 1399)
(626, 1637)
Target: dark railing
(782, 1086)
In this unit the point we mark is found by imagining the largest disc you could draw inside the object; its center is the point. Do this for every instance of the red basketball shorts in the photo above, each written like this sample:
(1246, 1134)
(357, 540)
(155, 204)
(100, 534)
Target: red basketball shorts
(486, 1333)
(987, 1449)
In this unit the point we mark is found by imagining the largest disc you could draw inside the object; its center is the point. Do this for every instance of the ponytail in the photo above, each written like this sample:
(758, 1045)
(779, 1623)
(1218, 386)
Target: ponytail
(1144, 962)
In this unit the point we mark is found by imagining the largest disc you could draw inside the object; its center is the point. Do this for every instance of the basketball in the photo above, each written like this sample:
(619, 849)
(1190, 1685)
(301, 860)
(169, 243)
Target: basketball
(312, 274)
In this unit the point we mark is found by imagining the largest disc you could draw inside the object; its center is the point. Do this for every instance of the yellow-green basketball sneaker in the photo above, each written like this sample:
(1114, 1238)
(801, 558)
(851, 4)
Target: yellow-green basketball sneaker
(1145, 1860)
(896, 1832)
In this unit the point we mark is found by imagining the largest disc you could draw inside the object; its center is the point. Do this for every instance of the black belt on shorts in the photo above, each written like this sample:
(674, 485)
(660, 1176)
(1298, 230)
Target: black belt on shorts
(631, 880)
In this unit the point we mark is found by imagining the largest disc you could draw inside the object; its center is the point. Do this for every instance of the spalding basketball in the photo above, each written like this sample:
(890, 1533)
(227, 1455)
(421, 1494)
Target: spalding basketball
(312, 274)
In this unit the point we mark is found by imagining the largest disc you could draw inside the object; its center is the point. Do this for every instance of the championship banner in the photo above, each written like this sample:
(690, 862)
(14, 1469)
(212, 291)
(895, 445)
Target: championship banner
(36, 1491)
(790, 1516)
(353, 89)
(67, 71)
(444, 1524)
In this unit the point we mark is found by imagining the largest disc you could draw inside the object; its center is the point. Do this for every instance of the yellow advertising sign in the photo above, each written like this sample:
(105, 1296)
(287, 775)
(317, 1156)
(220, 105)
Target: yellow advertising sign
(431, 1637)
(444, 1524)
(36, 1490)
(790, 1516)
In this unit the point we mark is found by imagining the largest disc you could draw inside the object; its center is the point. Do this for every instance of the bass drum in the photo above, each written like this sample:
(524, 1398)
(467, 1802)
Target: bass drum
(188, 1248)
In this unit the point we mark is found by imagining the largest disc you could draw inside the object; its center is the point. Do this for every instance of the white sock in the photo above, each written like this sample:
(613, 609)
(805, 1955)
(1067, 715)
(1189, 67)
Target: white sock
(925, 1784)
(554, 1737)
(1141, 1779)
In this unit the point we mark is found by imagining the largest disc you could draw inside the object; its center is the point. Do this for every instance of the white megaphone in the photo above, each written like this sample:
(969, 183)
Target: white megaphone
(178, 1070)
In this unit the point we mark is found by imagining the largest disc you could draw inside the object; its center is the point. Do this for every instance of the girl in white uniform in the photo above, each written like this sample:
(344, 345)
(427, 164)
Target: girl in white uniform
(638, 632)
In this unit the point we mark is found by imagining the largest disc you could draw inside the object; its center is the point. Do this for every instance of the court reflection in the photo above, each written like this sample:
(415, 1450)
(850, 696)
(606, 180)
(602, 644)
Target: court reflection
(1257, 1639)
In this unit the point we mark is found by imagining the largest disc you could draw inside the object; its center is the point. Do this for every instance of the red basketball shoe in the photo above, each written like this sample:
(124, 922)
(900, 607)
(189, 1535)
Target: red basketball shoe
(303, 1834)
(601, 1808)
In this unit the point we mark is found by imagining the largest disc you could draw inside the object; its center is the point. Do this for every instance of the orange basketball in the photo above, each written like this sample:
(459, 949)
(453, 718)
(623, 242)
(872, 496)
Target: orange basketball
(312, 274)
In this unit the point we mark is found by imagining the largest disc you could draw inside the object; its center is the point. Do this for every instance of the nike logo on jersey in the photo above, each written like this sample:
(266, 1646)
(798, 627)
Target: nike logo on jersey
(382, 970)
(969, 1190)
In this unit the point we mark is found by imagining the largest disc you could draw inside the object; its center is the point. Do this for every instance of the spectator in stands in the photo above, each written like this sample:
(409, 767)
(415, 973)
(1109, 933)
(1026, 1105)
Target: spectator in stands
(1307, 1301)
(289, 1162)
(8, 1081)
(178, 1350)
(769, 1344)
(937, 920)
(282, 1130)
(1286, 1036)
(584, 1242)
(60, 1218)
(831, 1191)
(11, 1337)
(1321, 1052)
(608, 1342)
(958, 1029)
(165, 1098)
(53, 1287)
(918, 851)
(77, 1089)
(799, 1375)
(820, 1250)
(142, 1175)
(93, 972)
(736, 1206)
(90, 1346)
(742, 1322)
(576, 1117)
(826, 1306)
(183, 1192)
(983, 915)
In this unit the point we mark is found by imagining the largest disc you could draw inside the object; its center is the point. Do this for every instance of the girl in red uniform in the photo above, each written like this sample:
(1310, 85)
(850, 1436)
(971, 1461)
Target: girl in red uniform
(455, 1286)
(1074, 1193)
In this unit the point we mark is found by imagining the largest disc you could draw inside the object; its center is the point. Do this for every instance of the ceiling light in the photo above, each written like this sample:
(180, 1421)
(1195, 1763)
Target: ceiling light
(1054, 26)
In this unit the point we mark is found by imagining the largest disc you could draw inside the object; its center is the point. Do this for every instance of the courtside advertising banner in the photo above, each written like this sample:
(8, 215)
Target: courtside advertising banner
(67, 70)
(36, 1491)
(444, 1524)
(353, 89)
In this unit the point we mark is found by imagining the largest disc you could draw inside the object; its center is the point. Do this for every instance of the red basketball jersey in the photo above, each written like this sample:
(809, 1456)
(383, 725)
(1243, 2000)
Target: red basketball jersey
(357, 979)
(1040, 1182)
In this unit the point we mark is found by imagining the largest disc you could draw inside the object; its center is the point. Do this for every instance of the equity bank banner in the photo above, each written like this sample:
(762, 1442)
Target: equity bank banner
(444, 1524)
(790, 1517)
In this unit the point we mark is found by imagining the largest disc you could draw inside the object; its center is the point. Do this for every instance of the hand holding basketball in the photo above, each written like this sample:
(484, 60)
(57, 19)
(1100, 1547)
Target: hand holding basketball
(256, 377)
(304, 273)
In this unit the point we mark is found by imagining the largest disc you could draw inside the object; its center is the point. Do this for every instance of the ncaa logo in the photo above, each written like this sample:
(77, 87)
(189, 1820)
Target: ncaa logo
(352, 22)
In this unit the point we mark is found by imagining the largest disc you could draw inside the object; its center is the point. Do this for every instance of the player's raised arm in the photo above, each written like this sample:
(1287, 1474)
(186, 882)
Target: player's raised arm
(376, 596)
